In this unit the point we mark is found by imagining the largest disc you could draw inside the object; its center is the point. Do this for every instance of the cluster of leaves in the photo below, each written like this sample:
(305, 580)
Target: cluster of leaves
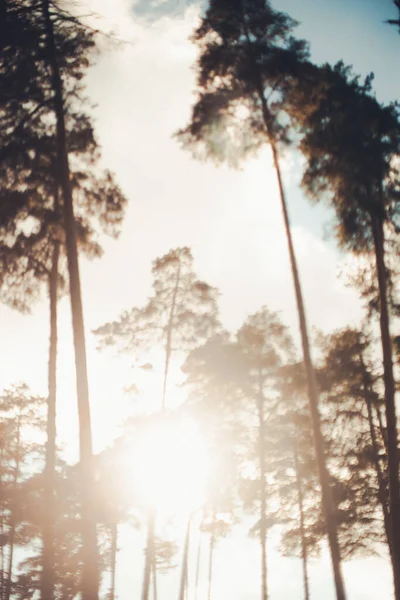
(31, 213)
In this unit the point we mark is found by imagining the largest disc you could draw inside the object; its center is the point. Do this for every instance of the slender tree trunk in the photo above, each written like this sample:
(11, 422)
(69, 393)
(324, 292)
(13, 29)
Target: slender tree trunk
(90, 575)
(8, 590)
(300, 499)
(168, 345)
(328, 504)
(150, 556)
(154, 573)
(211, 558)
(113, 560)
(185, 561)
(382, 495)
(198, 559)
(50, 468)
(1, 526)
(11, 535)
(263, 495)
(149, 568)
(2, 574)
(390, 406)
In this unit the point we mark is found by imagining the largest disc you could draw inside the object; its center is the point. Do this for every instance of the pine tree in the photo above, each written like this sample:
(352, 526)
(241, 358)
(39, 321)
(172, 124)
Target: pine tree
(22, 418)
(90, 580)
(67, 558)
(350, 142)
(51, 130)
(181, 312)
(217, 524)
(352, 393)
(35, 259)
(266, 345)
(237, 383)
(295, 477)
(249, 62)
(213, 404)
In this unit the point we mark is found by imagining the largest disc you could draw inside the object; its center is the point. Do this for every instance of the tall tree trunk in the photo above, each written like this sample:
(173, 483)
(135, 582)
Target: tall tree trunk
(168, 345)
(10, 566)
(11, 535)
(327, 498)
(47, 582)
(113, 559)
(382, 495)
(198, 559)
(328, 504)
(300, 499)
(2, 544)
(154, 574)
(185, 561)
(211, 558)
(90, 575)
(149, 567)
(390, 406)
(263, 494)
(2, 574)
(149, 556)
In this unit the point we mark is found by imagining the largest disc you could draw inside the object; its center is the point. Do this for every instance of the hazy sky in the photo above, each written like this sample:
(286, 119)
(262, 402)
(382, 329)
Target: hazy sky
(232, 222)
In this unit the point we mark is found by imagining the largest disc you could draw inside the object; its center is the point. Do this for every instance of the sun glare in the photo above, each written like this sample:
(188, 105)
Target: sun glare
(172, 467)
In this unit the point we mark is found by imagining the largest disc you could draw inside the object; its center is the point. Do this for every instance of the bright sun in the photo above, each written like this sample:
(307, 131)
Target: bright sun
(171, 469)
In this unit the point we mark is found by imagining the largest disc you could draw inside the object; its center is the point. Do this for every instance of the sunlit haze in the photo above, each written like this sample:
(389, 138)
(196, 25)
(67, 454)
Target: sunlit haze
(173, 481)
(191, 405)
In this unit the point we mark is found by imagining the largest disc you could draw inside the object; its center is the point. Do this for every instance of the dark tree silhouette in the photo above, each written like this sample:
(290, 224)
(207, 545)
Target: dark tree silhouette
(44, 49)
(350, 142)
(38, 258)
(90, 579)
(33, 239)
(352, 393)
(249, 61)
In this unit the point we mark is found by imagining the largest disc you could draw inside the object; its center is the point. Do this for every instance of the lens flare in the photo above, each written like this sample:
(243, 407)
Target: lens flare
(170, 467)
